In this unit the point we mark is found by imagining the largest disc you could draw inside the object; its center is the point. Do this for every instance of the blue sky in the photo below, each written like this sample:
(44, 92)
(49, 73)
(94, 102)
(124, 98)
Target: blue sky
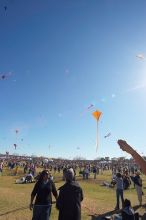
(65, 55)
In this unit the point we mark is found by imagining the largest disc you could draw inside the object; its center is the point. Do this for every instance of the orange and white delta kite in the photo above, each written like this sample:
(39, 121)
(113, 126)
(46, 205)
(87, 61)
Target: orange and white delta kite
(97, 115)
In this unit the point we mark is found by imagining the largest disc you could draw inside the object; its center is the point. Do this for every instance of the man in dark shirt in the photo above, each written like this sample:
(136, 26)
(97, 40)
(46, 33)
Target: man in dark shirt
(70, 197)
(43, 190)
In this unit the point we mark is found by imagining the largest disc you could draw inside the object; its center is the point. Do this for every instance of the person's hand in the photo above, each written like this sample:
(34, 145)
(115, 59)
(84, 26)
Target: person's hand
(125, 147)
(31, 206)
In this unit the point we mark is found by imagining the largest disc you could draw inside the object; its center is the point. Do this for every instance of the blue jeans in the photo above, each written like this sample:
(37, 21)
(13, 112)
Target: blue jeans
(41, 212)
(119, 193)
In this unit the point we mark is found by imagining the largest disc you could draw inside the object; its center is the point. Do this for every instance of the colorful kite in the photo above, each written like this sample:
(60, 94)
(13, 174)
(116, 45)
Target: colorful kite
(97, 115)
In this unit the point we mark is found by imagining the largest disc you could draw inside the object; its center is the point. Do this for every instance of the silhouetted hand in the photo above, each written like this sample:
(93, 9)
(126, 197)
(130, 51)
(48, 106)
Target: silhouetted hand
(31, 206)
(125, 147)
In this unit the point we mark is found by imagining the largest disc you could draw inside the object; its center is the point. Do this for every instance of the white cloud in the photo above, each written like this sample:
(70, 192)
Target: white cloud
(137, 87)
(103, 100)
(113, 95)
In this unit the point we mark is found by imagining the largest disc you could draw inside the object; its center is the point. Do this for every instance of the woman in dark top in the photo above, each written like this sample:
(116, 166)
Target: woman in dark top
(138, 185)
(69, 199)
(42, 190)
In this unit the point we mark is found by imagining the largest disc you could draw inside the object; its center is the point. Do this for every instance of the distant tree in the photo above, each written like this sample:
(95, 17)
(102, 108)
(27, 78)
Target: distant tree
(15, 154)
(79, 158)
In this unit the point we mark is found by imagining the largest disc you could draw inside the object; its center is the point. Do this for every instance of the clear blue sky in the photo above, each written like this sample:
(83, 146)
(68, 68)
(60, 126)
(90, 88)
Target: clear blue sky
(65, 55)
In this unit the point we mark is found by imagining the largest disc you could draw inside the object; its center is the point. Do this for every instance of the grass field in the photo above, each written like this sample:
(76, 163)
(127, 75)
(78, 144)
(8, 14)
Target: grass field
(15, 198)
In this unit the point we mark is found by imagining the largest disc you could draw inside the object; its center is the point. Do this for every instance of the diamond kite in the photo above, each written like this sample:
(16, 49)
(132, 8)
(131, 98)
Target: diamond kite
(97, 115)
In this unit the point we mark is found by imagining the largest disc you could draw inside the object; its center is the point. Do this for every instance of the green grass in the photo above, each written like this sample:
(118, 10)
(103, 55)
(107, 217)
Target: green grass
(15, 198)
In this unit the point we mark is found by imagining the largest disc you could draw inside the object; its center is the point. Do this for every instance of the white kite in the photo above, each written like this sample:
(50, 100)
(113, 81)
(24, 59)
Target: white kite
(140, 56)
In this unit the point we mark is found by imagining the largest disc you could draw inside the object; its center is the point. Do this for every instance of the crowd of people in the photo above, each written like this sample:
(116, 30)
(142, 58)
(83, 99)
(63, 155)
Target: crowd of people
(68, 200)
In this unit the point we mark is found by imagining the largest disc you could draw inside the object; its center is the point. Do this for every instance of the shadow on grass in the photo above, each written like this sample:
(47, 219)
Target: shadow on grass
(110, 213)
(14, 210)
(19, 209)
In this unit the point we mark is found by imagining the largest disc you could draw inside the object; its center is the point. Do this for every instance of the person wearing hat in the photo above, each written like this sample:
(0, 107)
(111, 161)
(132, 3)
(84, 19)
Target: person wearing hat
(43, 190)
(69, 199)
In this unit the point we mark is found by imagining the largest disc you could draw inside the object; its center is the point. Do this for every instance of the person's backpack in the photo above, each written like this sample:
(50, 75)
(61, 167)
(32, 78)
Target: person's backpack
(126, 216)
(136, 216)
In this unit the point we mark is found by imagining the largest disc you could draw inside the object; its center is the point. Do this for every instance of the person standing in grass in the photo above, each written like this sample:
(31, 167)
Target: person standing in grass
(69, 199)
(43, 190)
(16, 170)
(1, 167)
(119, 189)
(138, 186)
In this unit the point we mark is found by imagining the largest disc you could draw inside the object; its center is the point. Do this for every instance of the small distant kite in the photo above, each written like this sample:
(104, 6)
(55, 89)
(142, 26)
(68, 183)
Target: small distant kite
(5, 7)
(17, 131)
(140, 56)
(4, 76)
(15, 145)
(78, 148)
(107, 135)
(90, 106)
(21, 139)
